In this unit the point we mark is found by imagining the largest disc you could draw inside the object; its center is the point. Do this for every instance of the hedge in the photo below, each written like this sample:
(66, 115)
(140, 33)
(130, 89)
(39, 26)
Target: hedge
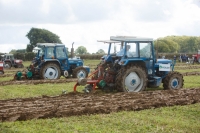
(24, 56)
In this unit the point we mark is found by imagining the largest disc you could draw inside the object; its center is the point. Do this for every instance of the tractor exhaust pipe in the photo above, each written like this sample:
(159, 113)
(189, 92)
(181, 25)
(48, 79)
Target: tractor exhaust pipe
(72, 51)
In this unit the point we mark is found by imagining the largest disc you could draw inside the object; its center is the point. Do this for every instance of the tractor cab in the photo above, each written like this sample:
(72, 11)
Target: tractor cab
(50, 52)
(10, 61)
(52, 62)
(128, 50)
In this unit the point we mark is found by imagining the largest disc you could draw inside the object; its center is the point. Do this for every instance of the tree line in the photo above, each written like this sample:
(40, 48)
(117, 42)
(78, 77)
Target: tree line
(177, 44)
(168, 44)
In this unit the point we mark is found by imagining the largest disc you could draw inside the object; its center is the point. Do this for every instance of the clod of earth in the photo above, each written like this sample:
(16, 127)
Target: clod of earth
(81, 104)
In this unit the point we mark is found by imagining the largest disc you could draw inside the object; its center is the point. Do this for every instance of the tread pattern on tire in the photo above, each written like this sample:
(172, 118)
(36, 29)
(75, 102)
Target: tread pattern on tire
(169, 77)
(74, 74)
(119, 83)
(45, 66)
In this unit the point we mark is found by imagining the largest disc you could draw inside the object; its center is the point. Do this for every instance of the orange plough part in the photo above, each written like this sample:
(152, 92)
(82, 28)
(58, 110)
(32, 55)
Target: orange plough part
(91, 79)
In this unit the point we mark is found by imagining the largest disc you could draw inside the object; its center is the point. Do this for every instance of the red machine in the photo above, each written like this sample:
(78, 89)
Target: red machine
(1, 68)
(196, 56)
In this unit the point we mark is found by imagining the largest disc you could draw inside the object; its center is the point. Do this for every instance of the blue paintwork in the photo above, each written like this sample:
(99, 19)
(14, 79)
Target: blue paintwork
(155, 81)
(64, 62)
(133, 81)
(108, 58)
(175, 83)
(152, 64)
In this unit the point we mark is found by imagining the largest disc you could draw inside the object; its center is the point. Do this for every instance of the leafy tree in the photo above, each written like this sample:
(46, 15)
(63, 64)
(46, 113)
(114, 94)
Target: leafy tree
(21, 51)
(81, 50)
(36, 35)
(100, 51)
(13, 51)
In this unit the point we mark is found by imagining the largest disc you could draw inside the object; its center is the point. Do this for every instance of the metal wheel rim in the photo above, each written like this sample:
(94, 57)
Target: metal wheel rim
(81, 74)
(174, 83)
(51, 73)
(133, 83)
(7, 66)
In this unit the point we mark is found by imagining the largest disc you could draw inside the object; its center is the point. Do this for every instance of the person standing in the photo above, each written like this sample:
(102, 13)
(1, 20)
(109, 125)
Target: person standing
(180, 58)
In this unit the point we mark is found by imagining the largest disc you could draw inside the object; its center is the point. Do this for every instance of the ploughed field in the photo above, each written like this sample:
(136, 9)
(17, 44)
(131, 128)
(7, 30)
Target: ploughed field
(81, 104)
(95, 103)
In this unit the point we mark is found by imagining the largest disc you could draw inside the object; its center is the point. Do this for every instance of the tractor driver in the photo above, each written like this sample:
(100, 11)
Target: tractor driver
(128, 53)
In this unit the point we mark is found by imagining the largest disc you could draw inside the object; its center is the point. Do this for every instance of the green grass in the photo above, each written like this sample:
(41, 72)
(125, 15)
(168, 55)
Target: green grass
(187, 70)
(192, 81)
(6, 78)
(25, 91)
(178, 119)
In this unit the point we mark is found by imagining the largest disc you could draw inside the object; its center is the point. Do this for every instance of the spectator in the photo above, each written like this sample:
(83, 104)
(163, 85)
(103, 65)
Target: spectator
(180, 58)
(174, 57)
(174, 60)
(193, 60)
(186, 57)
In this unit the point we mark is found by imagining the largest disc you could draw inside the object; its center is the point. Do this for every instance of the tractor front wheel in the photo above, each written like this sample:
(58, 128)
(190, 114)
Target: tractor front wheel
(173, 80)
(50, 71)
(131, 79)
(80, 72)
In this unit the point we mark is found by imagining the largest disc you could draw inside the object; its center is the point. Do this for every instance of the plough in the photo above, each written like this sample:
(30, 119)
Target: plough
(94, 80)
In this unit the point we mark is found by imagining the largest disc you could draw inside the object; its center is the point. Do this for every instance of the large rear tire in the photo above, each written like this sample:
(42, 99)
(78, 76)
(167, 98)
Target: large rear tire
(173, 80)
(50, 71)
(80, 72)
(131, 79)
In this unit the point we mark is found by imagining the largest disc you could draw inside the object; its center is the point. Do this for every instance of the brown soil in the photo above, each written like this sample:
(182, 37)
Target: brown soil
(3, 83)
(82, 104)
(183, 67)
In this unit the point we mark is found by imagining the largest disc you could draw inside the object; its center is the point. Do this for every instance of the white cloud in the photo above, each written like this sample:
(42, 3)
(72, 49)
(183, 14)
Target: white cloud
(85, 22)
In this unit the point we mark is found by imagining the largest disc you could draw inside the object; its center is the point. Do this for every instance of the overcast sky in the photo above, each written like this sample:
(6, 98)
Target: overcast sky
(86, 21)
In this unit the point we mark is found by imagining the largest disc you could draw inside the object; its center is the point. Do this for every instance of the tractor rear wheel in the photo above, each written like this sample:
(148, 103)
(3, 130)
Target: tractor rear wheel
(173, 80)
(80, 72)
(50, 71)
(7, 65)
(131, 79)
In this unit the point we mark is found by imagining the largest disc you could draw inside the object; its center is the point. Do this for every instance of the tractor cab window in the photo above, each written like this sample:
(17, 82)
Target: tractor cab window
(41, 52)
(145, 50)
(115, 48)
(131, 50)
(60, 52)
(12, 57)
(50, 53)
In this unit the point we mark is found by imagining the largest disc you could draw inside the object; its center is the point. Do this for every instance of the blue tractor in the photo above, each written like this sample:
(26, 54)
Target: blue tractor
(131, 66)
(52, 62)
